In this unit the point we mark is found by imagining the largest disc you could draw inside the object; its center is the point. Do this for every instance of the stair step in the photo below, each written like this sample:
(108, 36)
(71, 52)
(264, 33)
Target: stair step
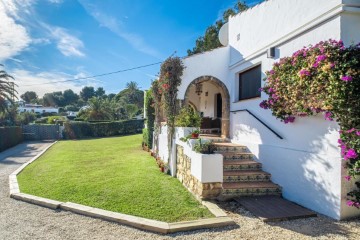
(250, 189)
(236, 165)
(230, 147)
(231, 156)
(214, 139)
(246, 176)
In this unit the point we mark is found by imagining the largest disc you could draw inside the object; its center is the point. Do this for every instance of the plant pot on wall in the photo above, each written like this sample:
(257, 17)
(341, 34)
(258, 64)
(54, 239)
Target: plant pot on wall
(194, 135)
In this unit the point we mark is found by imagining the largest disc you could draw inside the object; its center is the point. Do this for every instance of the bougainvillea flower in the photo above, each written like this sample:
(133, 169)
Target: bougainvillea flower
(358, 133)
(328, 116)
(347, 78)
(351, 153)
(350, 130)
(350, 203)
(304, 72)
(320, 58)
(347, 178)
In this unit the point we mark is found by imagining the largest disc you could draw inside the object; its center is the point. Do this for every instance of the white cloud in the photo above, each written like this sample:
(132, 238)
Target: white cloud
(14, 37)
(67, 44)
(38, 82)
(56, 1)
(105, 20)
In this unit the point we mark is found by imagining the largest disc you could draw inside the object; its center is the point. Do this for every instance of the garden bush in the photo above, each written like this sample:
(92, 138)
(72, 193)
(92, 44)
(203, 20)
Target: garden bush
(77, 130)
(150, 119)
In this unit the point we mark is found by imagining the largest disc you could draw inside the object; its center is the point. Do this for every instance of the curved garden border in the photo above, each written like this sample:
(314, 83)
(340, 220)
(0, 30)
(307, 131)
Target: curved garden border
(221, 219)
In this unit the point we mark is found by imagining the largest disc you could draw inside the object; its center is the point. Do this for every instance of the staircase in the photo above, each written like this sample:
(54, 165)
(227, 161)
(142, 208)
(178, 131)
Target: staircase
(243, 176)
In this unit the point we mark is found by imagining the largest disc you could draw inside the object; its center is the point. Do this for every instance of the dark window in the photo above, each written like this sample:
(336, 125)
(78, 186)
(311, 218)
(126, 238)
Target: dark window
(249, 83)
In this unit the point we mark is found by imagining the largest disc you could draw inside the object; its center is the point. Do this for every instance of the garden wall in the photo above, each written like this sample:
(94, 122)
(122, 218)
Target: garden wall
(199, 189)
(9, 137)
(77, 130)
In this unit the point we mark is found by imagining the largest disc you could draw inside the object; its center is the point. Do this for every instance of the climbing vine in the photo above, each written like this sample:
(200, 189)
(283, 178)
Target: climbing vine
(169, 80)
(324, 78)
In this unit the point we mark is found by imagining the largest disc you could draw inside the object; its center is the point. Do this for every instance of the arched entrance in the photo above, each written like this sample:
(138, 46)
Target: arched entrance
(206, 93)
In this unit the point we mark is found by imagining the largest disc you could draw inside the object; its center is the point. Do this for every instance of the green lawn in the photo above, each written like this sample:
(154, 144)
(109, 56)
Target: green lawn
(113, 174)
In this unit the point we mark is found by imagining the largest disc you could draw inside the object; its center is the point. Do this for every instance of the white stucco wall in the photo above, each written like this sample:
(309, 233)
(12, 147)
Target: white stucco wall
(307, 162)
(213, 63)
(272, 20)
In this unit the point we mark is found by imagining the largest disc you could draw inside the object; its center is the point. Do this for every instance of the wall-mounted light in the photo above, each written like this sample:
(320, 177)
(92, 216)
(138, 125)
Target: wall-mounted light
(271, 52)
(198, 88)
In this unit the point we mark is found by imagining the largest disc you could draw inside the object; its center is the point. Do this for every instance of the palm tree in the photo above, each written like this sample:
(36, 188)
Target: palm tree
(7, 91)
(132, 86)
(99, 109)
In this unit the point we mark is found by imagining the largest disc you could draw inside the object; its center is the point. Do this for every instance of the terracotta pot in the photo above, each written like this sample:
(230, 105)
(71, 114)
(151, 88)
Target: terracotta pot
(194, 135)
(162, 169)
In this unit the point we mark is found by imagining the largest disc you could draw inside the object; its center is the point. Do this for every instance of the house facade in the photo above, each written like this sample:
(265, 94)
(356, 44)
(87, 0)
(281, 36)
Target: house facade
(303, 157)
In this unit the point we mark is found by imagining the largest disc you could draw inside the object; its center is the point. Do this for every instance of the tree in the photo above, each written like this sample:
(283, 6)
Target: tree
(7, 90)
(98, 109)
(54, 99)
(29, 96)
(70, 98)
(111, 96)
(131, 95)
(100, 92)
(210, 39)
(131, 110)
(87, 93)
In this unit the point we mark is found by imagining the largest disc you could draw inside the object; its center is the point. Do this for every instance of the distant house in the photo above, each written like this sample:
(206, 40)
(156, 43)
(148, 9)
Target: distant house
(35, 108)
(303, 158)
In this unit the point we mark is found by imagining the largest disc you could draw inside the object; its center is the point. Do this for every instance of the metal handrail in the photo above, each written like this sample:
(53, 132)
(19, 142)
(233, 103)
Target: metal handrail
(246, 110)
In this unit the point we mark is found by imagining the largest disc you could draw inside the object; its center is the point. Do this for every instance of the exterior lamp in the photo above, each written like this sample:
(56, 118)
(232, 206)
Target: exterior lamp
(198, 88)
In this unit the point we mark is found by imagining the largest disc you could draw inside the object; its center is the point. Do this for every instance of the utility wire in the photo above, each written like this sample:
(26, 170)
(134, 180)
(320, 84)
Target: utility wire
(94, 76)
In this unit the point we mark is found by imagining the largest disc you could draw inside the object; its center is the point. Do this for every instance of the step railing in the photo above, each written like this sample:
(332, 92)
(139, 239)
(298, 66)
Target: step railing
(267, 126)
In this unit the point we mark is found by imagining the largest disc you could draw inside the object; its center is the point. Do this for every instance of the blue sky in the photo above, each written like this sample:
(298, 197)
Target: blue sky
(45, 41)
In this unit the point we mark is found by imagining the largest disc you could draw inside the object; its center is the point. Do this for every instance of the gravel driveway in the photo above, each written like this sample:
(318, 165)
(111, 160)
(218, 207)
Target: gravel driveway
(19, 220)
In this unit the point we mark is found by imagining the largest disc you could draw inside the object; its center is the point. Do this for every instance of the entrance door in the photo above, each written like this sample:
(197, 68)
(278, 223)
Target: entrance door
(218, 105)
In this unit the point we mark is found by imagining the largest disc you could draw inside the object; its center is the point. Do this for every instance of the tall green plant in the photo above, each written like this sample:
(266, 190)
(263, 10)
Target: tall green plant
(170, 79)
(322, 78)
(150, 118)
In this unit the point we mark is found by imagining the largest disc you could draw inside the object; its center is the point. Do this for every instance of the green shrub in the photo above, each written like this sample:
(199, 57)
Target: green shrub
(150, 119)
(188, 117)
(77, 130)
(55, 119)
(9, 137)
(204, 148)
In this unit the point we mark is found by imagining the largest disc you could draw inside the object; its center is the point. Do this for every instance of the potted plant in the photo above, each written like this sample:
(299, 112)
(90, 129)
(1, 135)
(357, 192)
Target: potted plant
(162, 167)
(195, 134)
(204, 148)
(187, 121)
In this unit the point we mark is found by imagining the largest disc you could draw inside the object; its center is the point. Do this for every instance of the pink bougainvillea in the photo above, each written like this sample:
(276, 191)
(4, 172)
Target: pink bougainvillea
(321, 78)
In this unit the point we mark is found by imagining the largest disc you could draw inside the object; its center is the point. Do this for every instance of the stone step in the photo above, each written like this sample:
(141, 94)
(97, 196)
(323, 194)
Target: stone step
(250, 189)
(230, 147)
(234, 156)
(246, 176)
(241, 165)
(214, 139)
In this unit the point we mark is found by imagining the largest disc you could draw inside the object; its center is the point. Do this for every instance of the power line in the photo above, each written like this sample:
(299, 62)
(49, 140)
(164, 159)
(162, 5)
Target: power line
(94, 76)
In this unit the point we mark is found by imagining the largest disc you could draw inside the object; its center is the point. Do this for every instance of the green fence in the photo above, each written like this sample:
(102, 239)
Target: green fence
(77, 130)
(9, 137)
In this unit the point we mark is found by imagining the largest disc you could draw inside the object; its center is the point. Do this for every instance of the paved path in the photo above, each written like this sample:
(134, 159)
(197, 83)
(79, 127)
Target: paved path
(19, 220)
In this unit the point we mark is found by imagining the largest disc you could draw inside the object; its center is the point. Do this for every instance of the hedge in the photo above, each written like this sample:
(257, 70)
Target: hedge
(77, 130)
(150, 119)
(9, 137)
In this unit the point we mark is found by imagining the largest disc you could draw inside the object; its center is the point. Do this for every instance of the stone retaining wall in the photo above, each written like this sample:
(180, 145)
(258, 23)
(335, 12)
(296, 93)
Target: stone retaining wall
(183, 173)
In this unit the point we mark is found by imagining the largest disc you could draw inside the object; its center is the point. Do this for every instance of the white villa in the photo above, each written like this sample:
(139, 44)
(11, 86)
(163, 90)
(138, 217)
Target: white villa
(35, 108)
(303, 158)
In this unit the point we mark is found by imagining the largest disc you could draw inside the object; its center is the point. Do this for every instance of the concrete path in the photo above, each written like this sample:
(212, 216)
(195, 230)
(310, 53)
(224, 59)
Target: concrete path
(20, 220)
